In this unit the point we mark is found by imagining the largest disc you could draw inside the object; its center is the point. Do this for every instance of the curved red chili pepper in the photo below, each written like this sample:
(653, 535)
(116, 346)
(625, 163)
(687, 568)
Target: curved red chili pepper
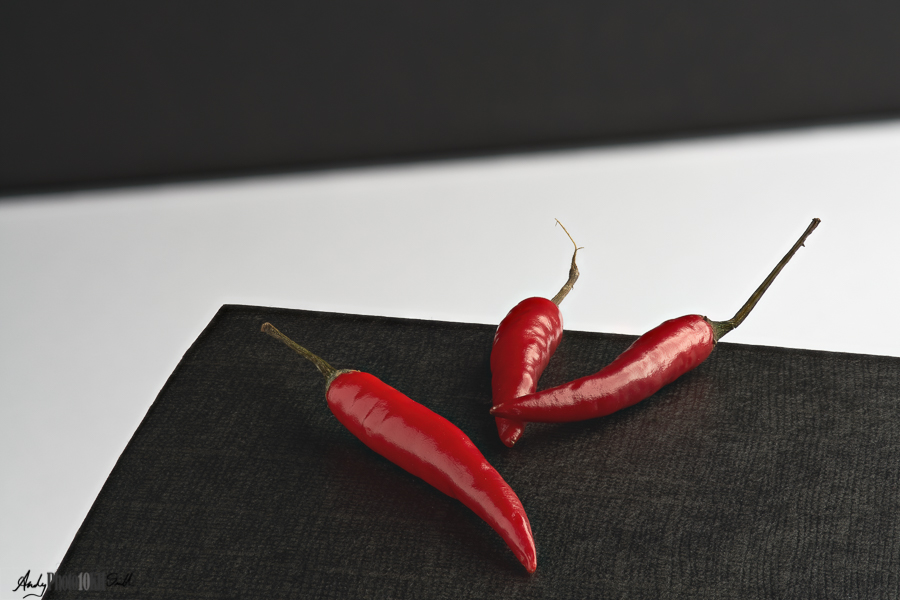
(525, 340)
(427, 445)
(655, 359)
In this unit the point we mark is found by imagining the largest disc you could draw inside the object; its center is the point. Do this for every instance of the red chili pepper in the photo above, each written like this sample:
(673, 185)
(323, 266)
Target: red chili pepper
(655, 359)
(425, 444)
(525, 340)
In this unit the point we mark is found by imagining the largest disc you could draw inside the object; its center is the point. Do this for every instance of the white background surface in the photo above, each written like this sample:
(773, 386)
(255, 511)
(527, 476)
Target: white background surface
(103, 291)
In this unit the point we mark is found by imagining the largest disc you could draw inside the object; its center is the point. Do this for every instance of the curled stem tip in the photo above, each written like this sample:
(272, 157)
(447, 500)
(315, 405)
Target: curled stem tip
(324, 368)
(573, 271)
(720, 328)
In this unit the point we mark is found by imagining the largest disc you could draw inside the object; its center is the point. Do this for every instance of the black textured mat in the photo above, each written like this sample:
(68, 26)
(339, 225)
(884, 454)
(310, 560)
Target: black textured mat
(764, 473)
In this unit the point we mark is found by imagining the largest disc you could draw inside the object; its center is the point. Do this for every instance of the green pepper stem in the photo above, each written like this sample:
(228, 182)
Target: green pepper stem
(573, 272)
(720, 328)
(324, 368)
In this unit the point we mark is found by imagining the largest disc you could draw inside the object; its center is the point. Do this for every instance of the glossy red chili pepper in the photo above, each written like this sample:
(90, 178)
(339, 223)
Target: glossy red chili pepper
(427, 445)
(655, 359)
(525, 340)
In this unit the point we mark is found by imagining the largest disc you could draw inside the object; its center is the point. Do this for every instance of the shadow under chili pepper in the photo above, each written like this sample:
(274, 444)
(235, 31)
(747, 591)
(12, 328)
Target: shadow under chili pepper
(381, 510)
(599, 460)
(682, 407)
(370, 506)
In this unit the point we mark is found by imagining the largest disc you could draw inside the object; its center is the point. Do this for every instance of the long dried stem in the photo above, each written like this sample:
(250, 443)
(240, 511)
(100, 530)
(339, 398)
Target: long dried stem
(720, 328)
